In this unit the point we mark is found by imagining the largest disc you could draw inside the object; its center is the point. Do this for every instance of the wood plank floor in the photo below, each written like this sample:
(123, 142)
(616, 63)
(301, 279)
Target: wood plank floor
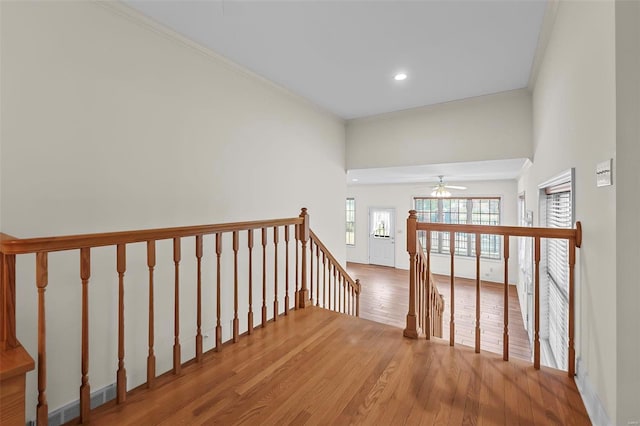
(319, 367)
(385, 298)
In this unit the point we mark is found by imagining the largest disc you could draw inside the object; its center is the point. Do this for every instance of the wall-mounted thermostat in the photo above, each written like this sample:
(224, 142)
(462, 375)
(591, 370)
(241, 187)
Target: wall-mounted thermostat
(604, 176)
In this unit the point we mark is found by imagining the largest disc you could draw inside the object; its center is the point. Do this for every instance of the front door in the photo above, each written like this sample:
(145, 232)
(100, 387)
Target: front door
(382, 237)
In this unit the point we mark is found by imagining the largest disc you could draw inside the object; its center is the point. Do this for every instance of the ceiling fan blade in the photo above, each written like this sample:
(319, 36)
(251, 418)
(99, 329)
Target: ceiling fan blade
(455, 187)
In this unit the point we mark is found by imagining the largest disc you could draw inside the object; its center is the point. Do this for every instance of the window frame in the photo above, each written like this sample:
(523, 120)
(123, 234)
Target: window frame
(350, 225)
(465, 243)
(553, 294)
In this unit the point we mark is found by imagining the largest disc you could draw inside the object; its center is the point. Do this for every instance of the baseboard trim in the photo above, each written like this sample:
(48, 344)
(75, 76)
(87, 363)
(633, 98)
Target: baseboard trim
(592, 403)
(72, 410)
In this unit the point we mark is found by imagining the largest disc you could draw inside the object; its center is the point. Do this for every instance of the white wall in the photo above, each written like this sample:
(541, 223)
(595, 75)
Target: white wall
(400, 197)
(490, 127)
(574, 125)
(627, 207)
(109, 123)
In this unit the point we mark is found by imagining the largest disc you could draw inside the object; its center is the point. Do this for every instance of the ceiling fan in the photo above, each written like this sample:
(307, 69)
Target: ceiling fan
(441, 190)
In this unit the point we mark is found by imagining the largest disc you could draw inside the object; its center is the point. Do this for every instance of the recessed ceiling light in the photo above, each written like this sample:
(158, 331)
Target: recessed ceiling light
(400, 76)
(354, 180)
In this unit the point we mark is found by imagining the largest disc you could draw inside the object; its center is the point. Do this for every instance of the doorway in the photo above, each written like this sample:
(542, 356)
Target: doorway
(382, 236)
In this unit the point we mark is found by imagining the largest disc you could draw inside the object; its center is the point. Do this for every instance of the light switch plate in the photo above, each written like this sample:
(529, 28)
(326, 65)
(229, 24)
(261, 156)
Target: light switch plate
(604, 175)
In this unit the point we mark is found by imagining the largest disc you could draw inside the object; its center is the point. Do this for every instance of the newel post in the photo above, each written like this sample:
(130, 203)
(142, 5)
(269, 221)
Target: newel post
(411, 330)
(303, 236)
(15, 362)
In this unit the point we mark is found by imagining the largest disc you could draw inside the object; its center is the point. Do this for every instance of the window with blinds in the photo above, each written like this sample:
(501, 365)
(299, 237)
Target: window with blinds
(558, 215)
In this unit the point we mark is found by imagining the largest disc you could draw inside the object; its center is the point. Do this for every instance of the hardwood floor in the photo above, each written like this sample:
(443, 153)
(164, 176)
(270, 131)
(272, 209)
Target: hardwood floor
(385, 298)
(319, 367)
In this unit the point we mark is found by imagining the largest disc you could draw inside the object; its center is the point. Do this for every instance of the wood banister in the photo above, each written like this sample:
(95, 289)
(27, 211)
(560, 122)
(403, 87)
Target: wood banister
(12, 245)
(16, 362)
(345, 290)
(573, 236)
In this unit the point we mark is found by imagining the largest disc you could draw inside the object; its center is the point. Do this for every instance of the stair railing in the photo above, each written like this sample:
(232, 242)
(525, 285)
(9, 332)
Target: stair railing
(413, 327)
(276, 287)
(336, 290)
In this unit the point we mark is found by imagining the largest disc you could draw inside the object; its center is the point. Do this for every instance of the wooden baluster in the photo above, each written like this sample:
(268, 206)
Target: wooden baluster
(428, 313)
(340, 293)
(418, 292)
(344, 294)
(505, 333)
(318, 276)
(250, 314)
(571, 369)
(452, 324)
(177, 365)
(304, 237)
(42, 279)
(286, 267)
(336, 301)
(329, 285)
(358, 297)
(85, 392)
(478, 293)
(311, 267)
(151, 357)
(276, 308)
(199, 253)
(411, 329)
(324, 280)
(536, 309)
(353, 300)
(236, 323)
(121, 391)
(347, 291)
(264, 277)
(423, 295)
(295, 295)
(218, 292)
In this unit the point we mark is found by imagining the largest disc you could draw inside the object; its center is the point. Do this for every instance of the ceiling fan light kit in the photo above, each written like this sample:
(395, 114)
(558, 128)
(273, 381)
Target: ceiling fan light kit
(441, 190)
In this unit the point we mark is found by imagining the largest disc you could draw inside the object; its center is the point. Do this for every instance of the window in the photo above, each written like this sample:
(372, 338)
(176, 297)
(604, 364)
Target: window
(350, 210)
(558, 214)
(475, 211)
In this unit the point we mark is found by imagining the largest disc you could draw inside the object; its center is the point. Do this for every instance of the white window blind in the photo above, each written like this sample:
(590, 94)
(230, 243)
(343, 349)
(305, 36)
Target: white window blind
(558, 215)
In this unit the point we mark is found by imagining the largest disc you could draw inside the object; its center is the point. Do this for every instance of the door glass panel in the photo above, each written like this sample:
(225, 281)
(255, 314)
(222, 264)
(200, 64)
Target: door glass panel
(381, 224)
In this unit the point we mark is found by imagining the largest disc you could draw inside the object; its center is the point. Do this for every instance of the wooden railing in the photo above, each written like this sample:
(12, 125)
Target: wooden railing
(336, 290)
(269, 232)
(429, 302)
(573, 236)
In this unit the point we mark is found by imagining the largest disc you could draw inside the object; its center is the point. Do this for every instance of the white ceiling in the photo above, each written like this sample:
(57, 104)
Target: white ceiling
(342, 55)
(452, 172)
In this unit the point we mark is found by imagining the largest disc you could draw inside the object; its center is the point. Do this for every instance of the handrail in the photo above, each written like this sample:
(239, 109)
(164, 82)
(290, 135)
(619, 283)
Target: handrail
(348, 306)
(574, 237)
(343, 271)
(12, 245)
(302, 237)
(512, 231)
